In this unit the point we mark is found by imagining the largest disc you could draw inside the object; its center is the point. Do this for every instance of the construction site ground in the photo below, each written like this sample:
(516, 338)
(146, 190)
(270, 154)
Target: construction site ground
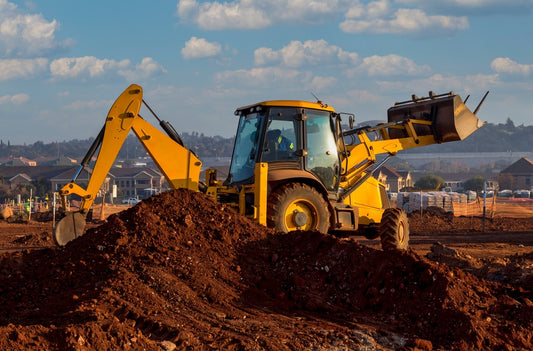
(179, 271)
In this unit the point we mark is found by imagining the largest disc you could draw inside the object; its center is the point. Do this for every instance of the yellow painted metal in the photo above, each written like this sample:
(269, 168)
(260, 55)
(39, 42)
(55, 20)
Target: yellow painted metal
(367, 198)
(298, 207)
(182, 168)
(179, 165)
(118, 124)
(260, 192)
(291, 103)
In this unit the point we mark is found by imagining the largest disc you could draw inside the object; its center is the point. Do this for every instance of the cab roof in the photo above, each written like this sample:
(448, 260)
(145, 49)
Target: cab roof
(289, 103)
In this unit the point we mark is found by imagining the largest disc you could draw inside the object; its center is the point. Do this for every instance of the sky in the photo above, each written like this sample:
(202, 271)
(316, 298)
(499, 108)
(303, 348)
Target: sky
(64, 62)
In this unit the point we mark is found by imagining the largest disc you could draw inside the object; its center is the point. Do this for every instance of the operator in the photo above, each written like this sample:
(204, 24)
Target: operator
(282, 143)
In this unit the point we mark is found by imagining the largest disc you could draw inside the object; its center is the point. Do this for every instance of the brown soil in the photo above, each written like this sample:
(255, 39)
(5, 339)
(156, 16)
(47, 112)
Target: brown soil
(179, 270)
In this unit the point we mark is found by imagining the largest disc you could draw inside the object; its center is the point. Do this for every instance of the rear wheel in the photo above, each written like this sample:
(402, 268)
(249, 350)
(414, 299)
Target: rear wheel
(297, 207)
(394, 229)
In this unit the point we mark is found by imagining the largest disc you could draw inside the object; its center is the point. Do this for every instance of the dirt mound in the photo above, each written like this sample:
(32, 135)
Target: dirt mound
(31, 240)
(179, 269)
(516, 270)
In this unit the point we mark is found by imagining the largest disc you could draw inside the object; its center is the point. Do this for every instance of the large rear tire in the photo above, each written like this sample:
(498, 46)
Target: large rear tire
(297, 206)
(394, 230)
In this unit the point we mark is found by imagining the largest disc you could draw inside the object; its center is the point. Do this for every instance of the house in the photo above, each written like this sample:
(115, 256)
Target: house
(17, 161)
(62, 178)
(518, 175)
(138, 182)
(56, 161)
(24, 175)
(19, 179)
(394, 179)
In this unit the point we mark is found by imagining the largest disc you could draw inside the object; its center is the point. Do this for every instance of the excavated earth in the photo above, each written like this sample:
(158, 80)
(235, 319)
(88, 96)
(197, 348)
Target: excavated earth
(179, 271)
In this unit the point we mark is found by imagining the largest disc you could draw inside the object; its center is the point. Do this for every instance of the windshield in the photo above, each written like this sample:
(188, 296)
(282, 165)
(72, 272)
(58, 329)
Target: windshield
(245, 149)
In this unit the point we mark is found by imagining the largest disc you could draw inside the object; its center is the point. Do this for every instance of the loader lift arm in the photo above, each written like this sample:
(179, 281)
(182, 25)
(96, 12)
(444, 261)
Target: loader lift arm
(179, 165)
(413, 123)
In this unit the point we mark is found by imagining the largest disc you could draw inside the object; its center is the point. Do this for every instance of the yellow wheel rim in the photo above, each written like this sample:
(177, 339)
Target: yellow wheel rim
(301, 215)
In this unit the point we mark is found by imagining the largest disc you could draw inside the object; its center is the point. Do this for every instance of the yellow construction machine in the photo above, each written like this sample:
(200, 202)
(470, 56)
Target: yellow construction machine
(293, 167)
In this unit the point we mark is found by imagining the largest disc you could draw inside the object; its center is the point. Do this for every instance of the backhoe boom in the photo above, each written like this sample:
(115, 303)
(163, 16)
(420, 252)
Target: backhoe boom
(179, 165)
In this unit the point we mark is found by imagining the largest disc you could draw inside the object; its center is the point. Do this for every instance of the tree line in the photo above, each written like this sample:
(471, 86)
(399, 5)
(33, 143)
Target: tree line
(501, 137)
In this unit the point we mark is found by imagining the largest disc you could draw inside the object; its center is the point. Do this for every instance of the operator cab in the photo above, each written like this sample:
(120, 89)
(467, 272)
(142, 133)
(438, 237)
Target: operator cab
(288, 135)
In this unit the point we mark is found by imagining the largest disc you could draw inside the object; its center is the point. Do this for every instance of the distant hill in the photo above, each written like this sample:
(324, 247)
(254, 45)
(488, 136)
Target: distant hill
(203, 146)
(490, 138)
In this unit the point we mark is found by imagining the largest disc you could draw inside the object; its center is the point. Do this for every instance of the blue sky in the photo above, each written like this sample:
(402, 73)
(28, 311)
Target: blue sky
(64, 62)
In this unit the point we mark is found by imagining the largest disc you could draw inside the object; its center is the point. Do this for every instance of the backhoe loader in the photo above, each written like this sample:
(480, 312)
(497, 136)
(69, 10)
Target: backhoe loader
(293, 166)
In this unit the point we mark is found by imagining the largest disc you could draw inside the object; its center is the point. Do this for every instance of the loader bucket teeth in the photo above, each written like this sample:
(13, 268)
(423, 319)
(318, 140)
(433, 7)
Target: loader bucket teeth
(69, 228)
(450, 119)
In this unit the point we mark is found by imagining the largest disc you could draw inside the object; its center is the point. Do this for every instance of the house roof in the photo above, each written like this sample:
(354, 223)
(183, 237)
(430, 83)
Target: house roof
(56, 161)
(17, 161)
(131, 172)
(32, 171)
(390, 172)
(70, 172)
(522, 166)
(22, 175)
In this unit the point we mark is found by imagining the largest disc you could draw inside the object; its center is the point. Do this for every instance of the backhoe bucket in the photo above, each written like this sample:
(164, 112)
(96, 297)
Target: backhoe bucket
(69, 228)
(450, 119)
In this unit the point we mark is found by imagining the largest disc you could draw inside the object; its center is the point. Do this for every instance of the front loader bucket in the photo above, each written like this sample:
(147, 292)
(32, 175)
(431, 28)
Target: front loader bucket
(450, 119)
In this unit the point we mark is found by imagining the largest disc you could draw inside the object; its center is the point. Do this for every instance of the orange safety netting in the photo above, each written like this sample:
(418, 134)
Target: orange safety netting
(495, 207)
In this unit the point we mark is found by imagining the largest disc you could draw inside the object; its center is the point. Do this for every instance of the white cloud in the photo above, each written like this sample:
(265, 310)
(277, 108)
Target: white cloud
(403, 21)
(508, 66)
(468, 3)
(263, 76)
(374, 9)
(319, 83)
(440, 84)
(379, 16)
(388, 66)
(147, 68)
(472, 7)
(73, 67)
(21, 68)
(24, 34)
(200, 48)
(214, 15)
(14, 99)
(310, 52)
(88, 105)
(362, 96)
(255, 14)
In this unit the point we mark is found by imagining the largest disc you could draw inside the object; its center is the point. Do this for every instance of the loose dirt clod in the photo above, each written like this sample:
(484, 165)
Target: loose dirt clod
(181, 270)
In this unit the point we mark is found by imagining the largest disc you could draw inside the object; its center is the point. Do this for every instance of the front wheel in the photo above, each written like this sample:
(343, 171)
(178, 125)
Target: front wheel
(297, 207)
(394, 229)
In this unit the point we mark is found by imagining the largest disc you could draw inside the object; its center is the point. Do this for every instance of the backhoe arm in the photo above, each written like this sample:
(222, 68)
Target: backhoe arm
(117, 126)
(179, 165)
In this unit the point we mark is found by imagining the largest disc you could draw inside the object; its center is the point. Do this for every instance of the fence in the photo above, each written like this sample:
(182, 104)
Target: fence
(496, 207)
(468, 205)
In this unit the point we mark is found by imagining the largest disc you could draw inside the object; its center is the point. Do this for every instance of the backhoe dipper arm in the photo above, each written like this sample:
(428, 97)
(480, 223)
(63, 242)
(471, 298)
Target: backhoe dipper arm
(179, 165)
(117, 126)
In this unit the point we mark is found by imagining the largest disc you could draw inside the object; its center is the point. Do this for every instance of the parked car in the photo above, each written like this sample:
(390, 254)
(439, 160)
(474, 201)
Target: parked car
(131, 201)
